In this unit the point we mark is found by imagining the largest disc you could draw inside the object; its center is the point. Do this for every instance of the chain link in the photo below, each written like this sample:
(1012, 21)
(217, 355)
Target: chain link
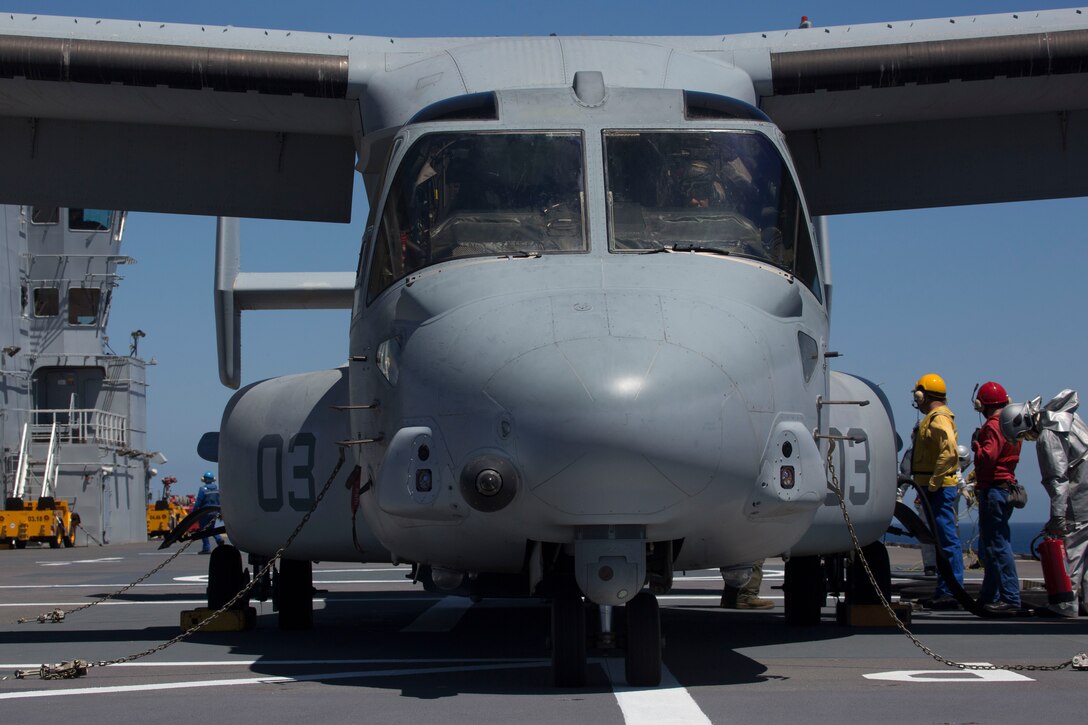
(58, 615)
(833, 484)
(245, 590)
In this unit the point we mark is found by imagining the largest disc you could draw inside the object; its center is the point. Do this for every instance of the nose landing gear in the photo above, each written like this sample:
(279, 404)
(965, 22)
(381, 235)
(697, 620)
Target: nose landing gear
(642, 641)
(612, 565)
(642, 665)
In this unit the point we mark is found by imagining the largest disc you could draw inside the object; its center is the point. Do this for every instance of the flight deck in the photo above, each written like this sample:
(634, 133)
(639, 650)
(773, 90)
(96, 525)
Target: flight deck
(384, 649)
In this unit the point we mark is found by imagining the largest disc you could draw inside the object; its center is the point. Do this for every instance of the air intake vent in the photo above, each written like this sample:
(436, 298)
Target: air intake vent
(700, 106)
(471, 107)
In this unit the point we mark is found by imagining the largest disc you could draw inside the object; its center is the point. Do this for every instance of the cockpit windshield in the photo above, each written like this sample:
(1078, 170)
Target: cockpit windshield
(474, 194)
(726, 192)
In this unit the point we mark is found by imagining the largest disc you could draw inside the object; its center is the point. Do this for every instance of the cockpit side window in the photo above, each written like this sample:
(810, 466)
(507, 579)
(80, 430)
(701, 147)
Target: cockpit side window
(479, 194)
(727, 192)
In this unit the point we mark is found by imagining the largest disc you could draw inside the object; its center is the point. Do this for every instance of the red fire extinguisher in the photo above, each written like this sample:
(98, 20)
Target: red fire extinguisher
(1059, 589)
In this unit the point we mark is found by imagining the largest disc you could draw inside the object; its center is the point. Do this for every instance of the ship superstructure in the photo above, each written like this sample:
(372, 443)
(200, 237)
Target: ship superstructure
(73, 421)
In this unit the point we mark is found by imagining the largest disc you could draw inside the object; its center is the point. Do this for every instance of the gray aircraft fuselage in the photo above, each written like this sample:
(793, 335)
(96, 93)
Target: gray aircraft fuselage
(623, 339)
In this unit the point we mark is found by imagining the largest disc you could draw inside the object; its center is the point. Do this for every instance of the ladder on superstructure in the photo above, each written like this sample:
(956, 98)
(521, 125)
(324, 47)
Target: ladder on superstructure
(23, 465)
(52, 463)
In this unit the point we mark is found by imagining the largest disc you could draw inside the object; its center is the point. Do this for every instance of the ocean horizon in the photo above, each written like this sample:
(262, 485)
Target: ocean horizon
(1022, 534)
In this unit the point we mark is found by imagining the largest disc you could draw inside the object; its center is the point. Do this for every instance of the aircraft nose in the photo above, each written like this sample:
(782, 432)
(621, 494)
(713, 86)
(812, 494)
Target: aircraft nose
(609, 425)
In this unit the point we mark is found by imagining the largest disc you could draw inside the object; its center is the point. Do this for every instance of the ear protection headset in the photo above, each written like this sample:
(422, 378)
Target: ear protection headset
(974, 397)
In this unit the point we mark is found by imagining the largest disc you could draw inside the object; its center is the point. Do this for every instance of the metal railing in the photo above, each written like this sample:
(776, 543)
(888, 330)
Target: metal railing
(80, 425)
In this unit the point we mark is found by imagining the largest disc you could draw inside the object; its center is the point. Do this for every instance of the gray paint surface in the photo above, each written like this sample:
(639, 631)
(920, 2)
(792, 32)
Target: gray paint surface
(105, 467)
(268, 154)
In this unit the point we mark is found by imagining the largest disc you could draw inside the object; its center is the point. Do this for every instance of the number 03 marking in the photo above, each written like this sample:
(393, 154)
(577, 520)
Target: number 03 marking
(858, 474)
(270, 471)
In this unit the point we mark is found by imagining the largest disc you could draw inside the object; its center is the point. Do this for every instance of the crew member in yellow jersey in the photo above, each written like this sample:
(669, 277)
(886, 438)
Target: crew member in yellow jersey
(934, 465)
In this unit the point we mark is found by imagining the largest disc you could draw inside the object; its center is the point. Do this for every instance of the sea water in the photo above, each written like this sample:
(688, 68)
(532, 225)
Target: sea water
(1022, 534)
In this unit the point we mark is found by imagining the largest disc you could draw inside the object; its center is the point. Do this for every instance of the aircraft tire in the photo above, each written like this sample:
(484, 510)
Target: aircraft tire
(642, 665)
(861, 590)
(294, 592)
(568, 639)
(226, 577)
(805, 590)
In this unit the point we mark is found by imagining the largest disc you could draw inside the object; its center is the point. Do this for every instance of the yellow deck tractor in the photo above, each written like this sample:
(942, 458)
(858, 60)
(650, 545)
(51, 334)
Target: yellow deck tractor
(47, 520)
(164, 514)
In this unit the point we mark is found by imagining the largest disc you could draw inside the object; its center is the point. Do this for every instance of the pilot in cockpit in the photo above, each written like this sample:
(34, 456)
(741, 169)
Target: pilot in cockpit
(703, 187)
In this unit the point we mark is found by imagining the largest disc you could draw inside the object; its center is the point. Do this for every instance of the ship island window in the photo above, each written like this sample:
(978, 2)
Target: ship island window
(88, 220)
(46, 302)
(481, 194)
(83, 306)
(44, 215)
(724, 192)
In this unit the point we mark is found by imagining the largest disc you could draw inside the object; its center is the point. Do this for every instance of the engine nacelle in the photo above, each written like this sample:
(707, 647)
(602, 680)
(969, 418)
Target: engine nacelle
(866, 468)
(277, 449)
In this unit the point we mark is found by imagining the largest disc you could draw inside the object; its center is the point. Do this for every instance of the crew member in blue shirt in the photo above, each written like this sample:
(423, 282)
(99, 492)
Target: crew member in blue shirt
(208, 495)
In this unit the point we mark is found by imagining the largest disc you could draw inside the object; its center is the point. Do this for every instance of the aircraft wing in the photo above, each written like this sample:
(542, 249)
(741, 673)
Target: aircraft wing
(175, 118)
(249, 122)
(930, 113)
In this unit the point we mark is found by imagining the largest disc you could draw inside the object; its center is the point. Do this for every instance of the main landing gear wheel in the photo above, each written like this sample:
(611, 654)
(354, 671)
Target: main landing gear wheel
(568, 639)
(293, 592)
(859, 589)
(805, 590)
(642, 665)
(226, 577)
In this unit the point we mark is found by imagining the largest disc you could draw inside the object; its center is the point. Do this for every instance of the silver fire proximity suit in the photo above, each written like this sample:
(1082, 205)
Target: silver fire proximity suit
(1062, 448)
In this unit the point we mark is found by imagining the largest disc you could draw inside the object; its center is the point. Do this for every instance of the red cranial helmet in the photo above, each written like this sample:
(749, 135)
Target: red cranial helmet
(991, 393)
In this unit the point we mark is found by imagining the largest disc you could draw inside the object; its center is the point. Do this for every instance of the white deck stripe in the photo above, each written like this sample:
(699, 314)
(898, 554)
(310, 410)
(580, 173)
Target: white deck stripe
(666, 704)
(949, 675)
(110, 603)
(280, 663)
(358, 674)
(442, 616)
(423, 597)
(201, 583)
(202, 602)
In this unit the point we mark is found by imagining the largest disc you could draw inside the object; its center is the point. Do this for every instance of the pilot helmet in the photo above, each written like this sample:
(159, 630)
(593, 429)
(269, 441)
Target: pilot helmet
(700, 181)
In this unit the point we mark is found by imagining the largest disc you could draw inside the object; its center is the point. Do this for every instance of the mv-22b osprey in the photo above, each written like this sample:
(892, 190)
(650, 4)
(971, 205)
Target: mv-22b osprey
(589, 331)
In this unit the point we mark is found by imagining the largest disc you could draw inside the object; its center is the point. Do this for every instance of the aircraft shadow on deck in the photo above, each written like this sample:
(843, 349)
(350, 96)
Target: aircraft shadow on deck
(509, 645)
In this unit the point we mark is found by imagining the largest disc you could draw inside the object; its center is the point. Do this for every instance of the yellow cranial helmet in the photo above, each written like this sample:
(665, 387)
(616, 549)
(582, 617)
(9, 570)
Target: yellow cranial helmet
(932, 386)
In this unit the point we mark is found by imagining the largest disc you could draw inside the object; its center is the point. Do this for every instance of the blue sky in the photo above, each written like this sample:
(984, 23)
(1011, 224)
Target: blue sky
(971, 293)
